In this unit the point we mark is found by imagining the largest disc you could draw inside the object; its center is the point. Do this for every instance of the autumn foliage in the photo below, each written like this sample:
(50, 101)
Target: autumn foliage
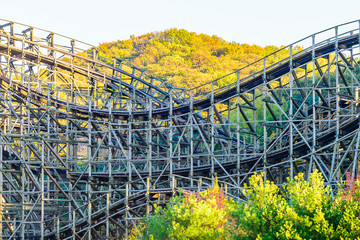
(352, 187)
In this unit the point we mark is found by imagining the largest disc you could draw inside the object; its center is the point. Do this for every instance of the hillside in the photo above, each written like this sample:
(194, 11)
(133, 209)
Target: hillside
(185, 59)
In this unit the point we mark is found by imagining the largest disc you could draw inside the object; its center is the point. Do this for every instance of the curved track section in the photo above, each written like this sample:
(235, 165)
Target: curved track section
(88, 144)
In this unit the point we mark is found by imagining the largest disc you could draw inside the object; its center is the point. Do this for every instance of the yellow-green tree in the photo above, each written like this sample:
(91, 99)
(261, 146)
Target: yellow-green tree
(193, 215)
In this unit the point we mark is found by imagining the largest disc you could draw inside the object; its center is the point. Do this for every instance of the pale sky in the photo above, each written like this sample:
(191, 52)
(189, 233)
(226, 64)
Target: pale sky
(261, 22)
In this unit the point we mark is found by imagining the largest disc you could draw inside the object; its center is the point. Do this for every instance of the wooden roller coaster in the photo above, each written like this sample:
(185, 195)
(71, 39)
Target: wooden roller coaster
(89, 144)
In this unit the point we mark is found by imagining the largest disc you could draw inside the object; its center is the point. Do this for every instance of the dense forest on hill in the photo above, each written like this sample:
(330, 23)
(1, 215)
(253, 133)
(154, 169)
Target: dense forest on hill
(186, 59)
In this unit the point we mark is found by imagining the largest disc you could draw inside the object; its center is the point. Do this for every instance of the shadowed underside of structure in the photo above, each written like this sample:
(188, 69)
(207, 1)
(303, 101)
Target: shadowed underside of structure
(88, 144)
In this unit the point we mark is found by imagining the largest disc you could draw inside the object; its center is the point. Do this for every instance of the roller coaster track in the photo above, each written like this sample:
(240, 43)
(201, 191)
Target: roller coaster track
(89, 144)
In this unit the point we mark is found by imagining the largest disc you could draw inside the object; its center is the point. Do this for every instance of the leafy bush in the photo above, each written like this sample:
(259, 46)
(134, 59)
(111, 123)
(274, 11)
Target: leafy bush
(301, 210)
(193, 215)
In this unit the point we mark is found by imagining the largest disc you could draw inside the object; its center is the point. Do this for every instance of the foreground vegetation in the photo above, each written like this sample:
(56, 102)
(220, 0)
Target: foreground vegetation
(303, 210)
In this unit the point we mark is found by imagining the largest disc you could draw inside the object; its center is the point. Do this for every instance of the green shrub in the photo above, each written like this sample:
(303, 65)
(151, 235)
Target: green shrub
(302, 210)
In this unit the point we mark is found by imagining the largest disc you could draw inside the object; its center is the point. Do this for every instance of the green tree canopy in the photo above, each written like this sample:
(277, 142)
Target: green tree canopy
(186, 59)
